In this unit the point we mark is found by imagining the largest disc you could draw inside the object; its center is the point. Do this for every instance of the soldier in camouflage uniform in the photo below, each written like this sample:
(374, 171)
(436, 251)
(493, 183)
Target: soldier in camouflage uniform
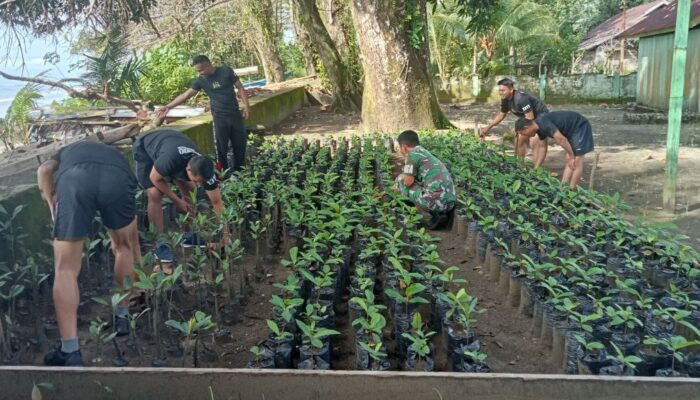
(425, 181)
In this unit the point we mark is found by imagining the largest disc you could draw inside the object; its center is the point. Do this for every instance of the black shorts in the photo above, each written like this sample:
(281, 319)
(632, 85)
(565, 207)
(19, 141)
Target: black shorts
(144, 165)
(87, 188)
(582, 141)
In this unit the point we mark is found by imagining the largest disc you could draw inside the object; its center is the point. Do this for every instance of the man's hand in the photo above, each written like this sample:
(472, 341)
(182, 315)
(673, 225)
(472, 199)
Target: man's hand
(163, 112)
(484, 132)
(245, 112)
(183, 206)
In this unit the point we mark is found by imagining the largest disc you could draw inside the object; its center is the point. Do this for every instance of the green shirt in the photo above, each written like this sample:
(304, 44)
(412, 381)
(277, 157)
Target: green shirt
(430, 173)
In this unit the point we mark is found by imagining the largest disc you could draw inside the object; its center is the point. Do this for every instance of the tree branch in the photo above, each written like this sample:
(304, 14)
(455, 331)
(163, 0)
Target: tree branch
(86, 94)
(202, 11)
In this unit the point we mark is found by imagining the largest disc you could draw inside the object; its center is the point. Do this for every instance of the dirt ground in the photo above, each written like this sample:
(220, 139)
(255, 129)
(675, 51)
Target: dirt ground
(631, 156)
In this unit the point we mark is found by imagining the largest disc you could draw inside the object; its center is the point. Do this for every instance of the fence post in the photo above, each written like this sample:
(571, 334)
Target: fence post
(543, 84)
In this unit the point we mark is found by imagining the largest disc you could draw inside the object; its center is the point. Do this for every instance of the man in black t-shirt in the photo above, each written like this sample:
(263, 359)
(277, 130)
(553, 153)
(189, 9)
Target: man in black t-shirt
(571, 130)
(219, 83)
(163, 156)
(81, 180)
(522, 105)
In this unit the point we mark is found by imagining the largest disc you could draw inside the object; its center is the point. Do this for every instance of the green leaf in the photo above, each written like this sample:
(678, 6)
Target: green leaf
(182, 327)
(516, 185)
(100, 300)
(419, 300)
(273, 327)
(414, 289)
(36, 393)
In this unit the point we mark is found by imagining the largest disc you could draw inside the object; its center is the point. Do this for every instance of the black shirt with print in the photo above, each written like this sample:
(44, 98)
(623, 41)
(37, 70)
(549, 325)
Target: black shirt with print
(522, 103)
(219, 87)
(170, 151)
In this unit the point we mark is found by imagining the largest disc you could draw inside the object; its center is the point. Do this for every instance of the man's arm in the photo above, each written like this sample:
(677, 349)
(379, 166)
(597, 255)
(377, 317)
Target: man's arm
(530, 115)
(244, 98)
(45, 181)
(160, 184)
(496, 120)
(163, 111)
(217, 202)
(564, 143)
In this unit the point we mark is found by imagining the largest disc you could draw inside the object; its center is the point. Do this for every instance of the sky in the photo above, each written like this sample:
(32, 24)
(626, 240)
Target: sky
(33, 65)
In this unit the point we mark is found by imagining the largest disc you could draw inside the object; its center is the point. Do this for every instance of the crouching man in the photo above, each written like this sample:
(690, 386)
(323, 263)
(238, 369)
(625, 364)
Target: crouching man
(570, 130)
(81, 180)
(425, 181)
(164, 156)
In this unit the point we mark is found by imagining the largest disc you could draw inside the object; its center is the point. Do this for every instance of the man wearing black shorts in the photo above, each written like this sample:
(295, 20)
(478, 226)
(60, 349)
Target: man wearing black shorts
(219, 83)
(165, 156)
(83, 179)
(522, 105)
(571, 130)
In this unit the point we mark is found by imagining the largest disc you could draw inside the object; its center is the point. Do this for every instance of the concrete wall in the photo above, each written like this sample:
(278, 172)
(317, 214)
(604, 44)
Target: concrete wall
(267, 110)
(560, 89)
(655, 64)
(223, 384)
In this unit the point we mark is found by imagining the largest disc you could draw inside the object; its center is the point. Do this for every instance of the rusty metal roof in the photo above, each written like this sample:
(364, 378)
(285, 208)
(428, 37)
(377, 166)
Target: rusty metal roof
(661, 20)
(611, 28)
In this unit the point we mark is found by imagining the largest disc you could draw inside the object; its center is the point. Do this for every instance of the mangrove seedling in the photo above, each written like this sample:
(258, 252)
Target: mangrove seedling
(418, 337)
(627, 361)
(97, 331)
(192, 330)
(314, 336)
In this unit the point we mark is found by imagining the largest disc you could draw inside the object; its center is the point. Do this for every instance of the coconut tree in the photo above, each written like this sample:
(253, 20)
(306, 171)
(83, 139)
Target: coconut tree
(510, 25)
(15, 126)
(113, 69)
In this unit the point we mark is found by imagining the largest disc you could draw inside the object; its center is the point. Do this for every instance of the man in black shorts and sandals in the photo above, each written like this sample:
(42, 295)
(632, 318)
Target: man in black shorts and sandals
(229, 127)
(522, 105)
(82, 179)
(571, 130)
(165, 156)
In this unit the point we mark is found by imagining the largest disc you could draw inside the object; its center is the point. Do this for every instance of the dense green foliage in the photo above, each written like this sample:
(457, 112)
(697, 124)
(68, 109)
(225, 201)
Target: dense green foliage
(167, 73)
(509, 33)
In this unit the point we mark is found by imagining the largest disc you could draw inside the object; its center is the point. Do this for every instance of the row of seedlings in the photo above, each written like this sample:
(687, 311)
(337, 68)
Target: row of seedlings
(607, 296)
(364, 228)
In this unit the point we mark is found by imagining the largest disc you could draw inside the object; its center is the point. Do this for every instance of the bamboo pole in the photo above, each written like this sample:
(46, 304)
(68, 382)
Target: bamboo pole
(675, 106)
(595, 166)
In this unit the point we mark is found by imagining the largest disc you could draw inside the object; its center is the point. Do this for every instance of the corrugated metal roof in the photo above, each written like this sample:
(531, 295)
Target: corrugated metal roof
(661, 20)
(612, 27)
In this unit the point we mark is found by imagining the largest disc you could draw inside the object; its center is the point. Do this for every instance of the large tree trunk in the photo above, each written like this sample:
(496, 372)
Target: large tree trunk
(332, 19)
(266, 36)
(346, 92)
(304, 40)
(398, 89)
(271, 63)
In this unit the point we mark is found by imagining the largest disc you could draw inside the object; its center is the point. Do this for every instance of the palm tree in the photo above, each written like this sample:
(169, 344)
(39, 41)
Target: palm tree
(15, 126)
(113, 70)
(511, 25)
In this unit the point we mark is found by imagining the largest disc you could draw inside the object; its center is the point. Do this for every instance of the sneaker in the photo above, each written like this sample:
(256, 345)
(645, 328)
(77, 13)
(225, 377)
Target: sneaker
(57, 358)
(121, 326)
(163, 253)
(193, 240)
